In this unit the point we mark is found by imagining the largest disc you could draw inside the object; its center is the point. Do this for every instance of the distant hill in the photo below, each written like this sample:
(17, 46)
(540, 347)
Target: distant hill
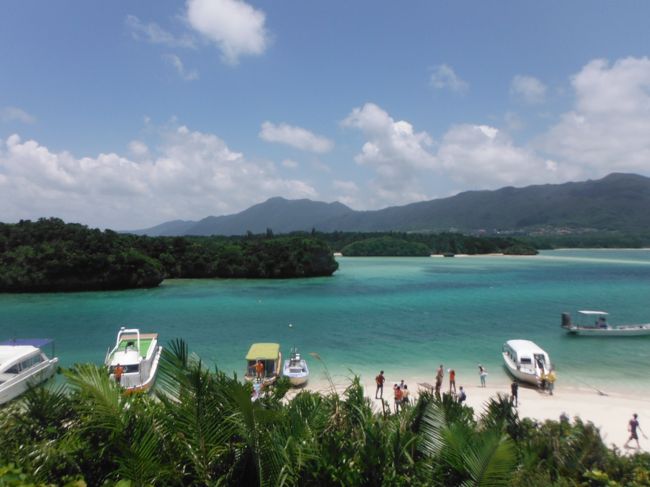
(616, 202)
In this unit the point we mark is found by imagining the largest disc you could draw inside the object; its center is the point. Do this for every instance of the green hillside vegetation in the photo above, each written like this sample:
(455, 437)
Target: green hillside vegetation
(386, 246)
(436, 243)
(50, 255)
(201, 428)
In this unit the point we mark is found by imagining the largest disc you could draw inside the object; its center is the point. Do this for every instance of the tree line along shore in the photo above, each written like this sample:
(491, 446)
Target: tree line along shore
(50, 255)
(199, 427)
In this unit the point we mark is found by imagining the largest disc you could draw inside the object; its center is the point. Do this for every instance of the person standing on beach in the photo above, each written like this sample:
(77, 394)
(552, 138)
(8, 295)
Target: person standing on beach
(632, 427)
(380, 379)
(452, 381)
(514, 388)
(439, 376)
(482, 372)
(461, 396)
(550, 381)
(398, 397)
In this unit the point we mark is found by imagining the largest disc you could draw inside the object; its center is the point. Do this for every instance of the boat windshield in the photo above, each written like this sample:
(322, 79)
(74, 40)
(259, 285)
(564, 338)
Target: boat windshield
(296, 370)
(526, 361)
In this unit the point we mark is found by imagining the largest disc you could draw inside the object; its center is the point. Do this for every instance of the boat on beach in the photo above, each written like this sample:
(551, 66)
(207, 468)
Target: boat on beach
(296, 369)
(138, 356)
(23, 364)
(270, 358)
(594, 323)
(526, 361)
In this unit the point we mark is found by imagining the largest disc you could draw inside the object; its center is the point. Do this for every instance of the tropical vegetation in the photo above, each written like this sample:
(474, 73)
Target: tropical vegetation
(50, 255)
(200, 428)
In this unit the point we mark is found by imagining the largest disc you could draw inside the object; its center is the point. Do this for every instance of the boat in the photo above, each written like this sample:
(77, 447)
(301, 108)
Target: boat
(23, 364)
(295, 368)
(594, 323)
(526, 361)
(137, 355)
(270, 358)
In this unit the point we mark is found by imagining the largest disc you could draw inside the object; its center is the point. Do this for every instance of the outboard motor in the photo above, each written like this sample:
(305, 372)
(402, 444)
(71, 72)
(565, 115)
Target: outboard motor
(566, 320)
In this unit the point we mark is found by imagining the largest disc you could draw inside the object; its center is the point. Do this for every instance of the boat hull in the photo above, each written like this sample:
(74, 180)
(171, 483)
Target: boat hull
(15, 387)
(524, 375)
(622, 331)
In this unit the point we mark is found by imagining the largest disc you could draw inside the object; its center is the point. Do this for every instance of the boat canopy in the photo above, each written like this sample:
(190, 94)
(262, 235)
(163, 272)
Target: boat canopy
(32, 342)
(592, 313)
(263, 351)
(525, 346)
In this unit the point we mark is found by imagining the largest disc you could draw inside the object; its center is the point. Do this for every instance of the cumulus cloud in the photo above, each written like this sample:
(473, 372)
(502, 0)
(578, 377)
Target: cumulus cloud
(297, 137)
(395, 151)
(528, 89)
(177, 63)
(486, 157)
(443, 76)
(234, 26)
(15, 114)
(194, 174)
(289, 163)
(154, 34)
(608, 128)
(346, 186)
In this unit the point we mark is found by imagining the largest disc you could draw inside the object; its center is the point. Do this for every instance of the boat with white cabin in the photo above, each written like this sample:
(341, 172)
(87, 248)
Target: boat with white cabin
(134, 358)
(23, 365)
(526, 361)
(296, 369)
(594, 323)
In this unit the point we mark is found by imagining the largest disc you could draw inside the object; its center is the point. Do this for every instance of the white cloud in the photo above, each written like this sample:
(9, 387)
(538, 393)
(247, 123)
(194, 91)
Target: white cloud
(289, 163)
(528, 88)
(195, 174)
(297, 137)
(154, 34)
(138, 149)
(15, 114)
(345, 186)
(235, 26)
(485, 157)
(608, 129)
(177, 63)
(444, 76)
(395, 152)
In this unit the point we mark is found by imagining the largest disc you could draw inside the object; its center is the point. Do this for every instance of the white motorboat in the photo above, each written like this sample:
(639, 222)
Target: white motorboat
(526, 361)
(295, 368)
(22, 365)
(134, 359)
(263, 363)
(594, 323)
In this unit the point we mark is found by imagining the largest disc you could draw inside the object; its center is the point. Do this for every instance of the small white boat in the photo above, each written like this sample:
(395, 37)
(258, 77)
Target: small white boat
(22, 365)
(134, 359)
(295, 368)
(263, 363)
(594, 323)
(526, 361)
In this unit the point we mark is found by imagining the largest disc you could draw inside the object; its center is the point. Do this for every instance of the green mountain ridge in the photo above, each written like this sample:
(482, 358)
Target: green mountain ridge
(617, 202)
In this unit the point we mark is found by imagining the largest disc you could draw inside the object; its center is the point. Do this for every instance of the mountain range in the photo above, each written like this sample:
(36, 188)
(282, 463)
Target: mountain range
(617, 202)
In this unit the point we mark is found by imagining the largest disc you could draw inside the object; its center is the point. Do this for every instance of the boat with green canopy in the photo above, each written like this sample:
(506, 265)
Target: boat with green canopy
(263, 363)
(133, 361)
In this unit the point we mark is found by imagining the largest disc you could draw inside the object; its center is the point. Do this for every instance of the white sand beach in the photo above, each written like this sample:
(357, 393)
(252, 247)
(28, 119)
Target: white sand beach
(608, 411)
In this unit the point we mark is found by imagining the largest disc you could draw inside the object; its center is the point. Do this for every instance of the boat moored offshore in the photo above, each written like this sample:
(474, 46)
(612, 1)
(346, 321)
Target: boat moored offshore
(134, 359)
(598, 326)
(526, 361)
(23, 365)
(296, 369)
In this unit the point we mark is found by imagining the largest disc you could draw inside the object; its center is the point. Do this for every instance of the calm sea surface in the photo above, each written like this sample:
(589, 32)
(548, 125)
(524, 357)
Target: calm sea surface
(405, 315)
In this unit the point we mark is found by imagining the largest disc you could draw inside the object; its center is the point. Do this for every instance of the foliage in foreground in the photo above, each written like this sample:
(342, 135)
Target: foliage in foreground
(201, 428)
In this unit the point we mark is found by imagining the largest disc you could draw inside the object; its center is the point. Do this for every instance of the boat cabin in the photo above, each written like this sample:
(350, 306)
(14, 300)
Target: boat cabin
(527, 356)
(266, 354)
(23, 363)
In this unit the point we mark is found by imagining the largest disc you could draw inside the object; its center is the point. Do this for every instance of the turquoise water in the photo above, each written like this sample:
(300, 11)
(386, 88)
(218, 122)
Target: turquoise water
(406, 315)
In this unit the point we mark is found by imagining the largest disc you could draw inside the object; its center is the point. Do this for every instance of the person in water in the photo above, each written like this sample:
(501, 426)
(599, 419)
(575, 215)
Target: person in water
(379, 380)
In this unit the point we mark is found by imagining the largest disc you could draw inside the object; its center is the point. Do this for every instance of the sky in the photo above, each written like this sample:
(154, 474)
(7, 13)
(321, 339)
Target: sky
(127, 114)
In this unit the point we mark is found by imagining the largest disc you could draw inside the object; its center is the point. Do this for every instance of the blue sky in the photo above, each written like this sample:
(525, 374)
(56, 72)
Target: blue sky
(126, 114)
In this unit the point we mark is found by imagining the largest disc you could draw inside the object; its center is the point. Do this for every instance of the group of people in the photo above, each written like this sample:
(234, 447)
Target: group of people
(401, 391)
(440, 376)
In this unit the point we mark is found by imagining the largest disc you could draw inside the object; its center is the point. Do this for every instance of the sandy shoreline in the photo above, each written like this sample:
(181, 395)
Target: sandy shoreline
(610, 413)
